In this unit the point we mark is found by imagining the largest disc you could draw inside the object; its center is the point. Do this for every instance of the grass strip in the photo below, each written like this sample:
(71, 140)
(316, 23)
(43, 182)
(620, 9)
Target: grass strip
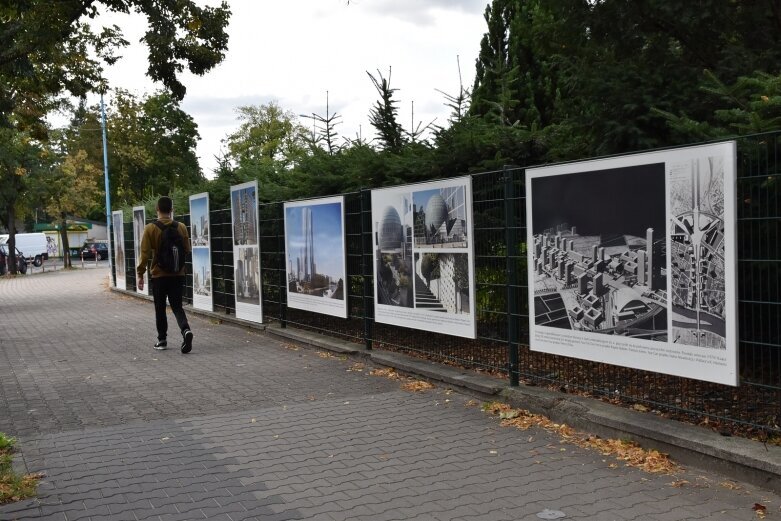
(14, 487)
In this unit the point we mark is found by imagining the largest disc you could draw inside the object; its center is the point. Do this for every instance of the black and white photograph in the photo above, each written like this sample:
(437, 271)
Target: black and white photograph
(247, 276)
(440, 217)
(442, 282)
(119, 248)
(601, 271)
(632, 261)
(199, 219)
(423, 256)
(315, 254)
(139, 222)
(244, 213)
(698, 252)
(393, 249)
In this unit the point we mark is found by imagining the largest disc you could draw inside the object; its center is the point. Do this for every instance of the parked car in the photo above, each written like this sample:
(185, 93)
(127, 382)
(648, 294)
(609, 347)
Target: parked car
(92, 248)
(21, 263)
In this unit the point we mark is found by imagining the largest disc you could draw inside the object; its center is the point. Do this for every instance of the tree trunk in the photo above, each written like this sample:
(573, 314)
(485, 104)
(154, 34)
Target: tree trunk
(66, 250)
(12, 267)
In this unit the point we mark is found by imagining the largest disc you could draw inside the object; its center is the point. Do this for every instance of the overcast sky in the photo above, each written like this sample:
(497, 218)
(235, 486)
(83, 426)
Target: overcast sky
(293, 51)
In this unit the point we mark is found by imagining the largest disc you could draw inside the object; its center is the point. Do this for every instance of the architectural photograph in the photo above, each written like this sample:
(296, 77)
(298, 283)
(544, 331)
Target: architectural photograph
(139, 222)
(599, 252)
(314, 242)
(119, 248)
(393, 248)
(247, 275)
(442, 282)
(440, 217)
(244, 214)
(698, 252)
(199, 220)
(202, 275)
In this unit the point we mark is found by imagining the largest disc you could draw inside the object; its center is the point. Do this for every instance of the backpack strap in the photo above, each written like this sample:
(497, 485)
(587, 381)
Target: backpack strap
(162, 226)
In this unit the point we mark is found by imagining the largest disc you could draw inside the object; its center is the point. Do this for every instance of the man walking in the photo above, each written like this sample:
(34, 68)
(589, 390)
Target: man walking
(169, 241)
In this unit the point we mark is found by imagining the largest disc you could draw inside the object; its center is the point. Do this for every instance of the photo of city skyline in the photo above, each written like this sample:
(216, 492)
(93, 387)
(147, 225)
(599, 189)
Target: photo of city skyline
(314, 246)
(244, 214)
(247, 275)
(199, 220)
(601, 271)
(202, 276)
(698, 252)
(440, 217)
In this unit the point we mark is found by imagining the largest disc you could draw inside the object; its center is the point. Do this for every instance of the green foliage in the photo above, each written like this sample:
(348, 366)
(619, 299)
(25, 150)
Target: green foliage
(593, 78)
(752, 104)
(13, 487)
(384, 114)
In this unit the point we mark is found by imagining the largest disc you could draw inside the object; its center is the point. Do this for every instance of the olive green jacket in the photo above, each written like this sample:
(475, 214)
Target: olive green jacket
(150, 243)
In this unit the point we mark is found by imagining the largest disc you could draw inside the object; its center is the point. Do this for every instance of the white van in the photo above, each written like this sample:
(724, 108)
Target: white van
(32, 245)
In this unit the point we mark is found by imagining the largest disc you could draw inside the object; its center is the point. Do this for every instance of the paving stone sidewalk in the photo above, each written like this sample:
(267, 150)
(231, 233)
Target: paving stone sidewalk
(247, 427)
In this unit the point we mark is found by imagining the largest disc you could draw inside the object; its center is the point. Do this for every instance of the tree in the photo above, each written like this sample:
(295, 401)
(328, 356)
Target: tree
(71, 188)
(384, 114)
(46, 50)
(46, 47)
(750, 105)
(21, 157)
(429, 267)
(268, 144)
(267, 133)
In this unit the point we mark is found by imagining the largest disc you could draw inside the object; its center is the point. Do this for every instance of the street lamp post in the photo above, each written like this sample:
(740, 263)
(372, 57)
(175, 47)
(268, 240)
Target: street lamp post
(105, 178)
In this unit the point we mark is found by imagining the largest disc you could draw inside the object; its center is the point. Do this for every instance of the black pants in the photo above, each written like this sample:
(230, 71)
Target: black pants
(171, 288)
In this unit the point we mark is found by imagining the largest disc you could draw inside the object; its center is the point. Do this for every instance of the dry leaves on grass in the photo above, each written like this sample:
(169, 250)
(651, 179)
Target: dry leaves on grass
(416, 386)
(627, 451)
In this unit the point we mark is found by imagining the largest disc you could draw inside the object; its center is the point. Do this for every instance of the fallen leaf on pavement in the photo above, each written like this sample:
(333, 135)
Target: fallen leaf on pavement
(389, 373)
(627, 451)
(417, 386)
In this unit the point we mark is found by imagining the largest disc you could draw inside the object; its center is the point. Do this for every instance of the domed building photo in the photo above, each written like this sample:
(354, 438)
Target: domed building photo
(393, 251)
(440, 217)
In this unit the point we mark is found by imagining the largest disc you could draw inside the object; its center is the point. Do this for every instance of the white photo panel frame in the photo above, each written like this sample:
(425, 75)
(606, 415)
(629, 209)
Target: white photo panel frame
(632, 261)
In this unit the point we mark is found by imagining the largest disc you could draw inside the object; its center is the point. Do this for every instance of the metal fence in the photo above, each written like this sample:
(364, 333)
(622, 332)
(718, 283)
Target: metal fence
(501, 294)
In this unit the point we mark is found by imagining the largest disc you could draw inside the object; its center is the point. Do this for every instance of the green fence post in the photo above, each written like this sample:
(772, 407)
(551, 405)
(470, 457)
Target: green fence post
(511, 239)
(282, 272)
(366, 268)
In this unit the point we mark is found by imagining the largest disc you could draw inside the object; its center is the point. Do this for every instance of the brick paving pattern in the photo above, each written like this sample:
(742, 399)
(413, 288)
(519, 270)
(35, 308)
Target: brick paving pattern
(247, 427)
